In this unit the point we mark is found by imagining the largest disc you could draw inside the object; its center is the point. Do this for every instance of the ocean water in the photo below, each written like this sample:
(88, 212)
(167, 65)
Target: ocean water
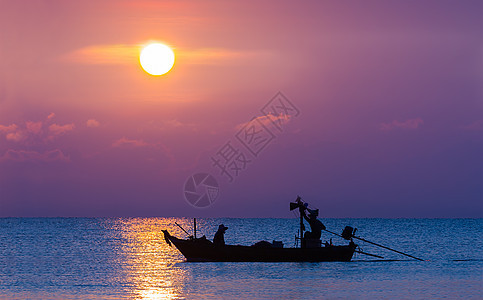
(127, 258)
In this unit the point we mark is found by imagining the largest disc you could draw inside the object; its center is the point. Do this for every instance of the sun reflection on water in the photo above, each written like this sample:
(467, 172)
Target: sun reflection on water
(149, 265)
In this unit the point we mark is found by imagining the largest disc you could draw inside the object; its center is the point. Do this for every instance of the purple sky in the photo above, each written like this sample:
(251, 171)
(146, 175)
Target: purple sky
(390, 95)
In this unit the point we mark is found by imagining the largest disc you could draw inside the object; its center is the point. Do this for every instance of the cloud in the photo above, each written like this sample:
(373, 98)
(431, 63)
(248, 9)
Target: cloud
(12, 132)
(173, 124)
(267, 120)
(92, 123)
(33, 127)
(56, 129)
(51, 116)
(127, 142)
(9, 128)
(32, 132)
(475, 126)
(33, 156)
(408, 124)
(15, 136)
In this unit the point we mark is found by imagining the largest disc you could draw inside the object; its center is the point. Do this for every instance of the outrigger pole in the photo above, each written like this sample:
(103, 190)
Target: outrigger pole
(358, 251)
(364, 240)
(369, 254)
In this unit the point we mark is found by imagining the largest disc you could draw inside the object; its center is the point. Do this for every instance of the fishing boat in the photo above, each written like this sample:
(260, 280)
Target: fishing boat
(311, 250)
(201, 249)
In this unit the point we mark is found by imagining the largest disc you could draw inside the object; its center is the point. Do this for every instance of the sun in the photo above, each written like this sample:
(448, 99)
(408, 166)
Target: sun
(156, 59)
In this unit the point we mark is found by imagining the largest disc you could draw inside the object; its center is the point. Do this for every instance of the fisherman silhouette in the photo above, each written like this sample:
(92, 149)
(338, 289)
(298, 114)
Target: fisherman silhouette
(219, 238)
(316, 226)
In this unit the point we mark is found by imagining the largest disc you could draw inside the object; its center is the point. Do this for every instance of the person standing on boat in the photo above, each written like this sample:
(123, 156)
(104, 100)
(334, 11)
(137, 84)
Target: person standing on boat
(219, 238)
(316, 226)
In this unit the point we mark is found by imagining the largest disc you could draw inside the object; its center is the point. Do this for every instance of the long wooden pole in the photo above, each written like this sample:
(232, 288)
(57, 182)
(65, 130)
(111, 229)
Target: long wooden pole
(369, 254)
(364, 240)
(358, 251)
(182, 228)
(332, 232)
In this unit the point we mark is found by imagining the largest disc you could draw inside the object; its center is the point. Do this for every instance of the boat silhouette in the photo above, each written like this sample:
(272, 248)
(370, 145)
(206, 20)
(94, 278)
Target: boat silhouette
(310, 250)
(203, 250)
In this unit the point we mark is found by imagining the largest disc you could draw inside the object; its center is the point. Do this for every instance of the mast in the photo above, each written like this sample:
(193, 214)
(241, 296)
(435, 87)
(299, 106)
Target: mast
(302, 227)
(300, 205)
(194, 225)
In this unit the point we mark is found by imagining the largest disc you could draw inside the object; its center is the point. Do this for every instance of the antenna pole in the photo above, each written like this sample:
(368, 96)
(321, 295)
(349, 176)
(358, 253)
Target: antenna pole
(301, 211)
(194, 225)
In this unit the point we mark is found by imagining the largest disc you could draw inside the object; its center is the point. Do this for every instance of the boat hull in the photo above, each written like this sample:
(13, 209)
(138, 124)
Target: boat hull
(202, 250)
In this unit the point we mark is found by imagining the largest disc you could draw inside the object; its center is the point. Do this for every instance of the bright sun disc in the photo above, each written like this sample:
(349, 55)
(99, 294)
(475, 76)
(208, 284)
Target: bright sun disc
(156, 59)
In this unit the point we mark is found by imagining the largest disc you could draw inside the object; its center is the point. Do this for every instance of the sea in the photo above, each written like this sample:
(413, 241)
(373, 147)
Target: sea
(128, 258)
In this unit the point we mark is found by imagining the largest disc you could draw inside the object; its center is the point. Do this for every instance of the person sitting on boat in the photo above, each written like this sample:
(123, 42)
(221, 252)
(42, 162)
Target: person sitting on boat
(219, 238)
(316, 226)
